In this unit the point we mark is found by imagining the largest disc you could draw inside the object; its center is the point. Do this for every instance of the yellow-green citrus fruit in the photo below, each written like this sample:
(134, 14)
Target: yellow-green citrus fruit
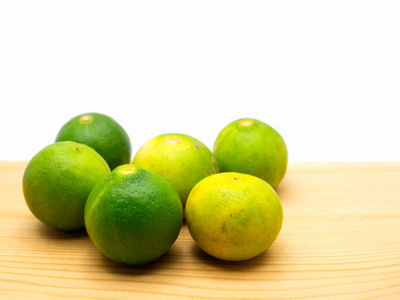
(252, 147)
(58, 180)
(181, 159)
(133, 216)
(100, 132)
(233, 216)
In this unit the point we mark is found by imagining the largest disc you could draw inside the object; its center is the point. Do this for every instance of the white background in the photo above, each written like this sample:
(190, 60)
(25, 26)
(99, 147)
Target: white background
(325, 74)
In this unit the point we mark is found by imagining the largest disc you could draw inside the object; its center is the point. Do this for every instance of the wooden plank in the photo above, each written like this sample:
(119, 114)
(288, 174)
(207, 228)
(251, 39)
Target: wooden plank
(340, 239)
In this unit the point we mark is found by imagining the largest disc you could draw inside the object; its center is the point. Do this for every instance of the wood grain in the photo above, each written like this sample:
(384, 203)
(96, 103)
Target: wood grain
(340, 240)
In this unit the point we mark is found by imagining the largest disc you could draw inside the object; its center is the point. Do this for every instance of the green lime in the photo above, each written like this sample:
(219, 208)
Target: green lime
(233, 216)
(133, 216)
(181, 159)
(252, 147)
(58, 180)
(100, 132)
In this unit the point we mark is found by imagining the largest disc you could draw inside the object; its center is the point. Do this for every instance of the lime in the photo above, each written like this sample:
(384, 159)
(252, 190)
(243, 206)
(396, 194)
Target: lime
(58, 180)
(181, 159)
(252, 147)
(233, 216)
(133, 216)
(100, 132)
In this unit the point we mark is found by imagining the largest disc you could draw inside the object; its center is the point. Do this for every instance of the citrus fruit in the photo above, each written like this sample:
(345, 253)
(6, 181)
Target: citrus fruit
(181, 159)
(58, 180)
(233, 216)
(100, 132)
(252, 147)
(133, 216)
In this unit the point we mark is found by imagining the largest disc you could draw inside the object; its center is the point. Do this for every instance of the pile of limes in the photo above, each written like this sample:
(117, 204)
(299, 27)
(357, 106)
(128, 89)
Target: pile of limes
(133, 210)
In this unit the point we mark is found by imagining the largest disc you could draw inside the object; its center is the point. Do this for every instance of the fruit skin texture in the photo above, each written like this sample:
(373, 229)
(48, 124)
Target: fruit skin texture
(100, 132)
(252, 147)
(181, 159)
(58, 180)
(233, 216)
(133, 216)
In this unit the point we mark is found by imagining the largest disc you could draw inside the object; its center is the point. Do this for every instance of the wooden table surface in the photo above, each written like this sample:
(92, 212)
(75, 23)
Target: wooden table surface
(340, 240)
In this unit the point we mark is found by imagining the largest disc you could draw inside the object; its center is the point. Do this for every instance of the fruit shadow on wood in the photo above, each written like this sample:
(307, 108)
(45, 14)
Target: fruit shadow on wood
(171, 258)
(57, 234)
(232, 266)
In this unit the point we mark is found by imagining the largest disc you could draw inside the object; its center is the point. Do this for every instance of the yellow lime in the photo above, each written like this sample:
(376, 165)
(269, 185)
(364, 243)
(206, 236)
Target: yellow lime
(133, 216)
(252, 147)
(233, 216)
(100, 132)
(58, 180)
(179, 158)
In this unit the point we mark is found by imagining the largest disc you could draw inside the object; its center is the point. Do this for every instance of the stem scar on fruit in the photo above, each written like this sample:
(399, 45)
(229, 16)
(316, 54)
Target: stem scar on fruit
(85, 119)
(245, 122)
(172, 140)
(128, 170)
